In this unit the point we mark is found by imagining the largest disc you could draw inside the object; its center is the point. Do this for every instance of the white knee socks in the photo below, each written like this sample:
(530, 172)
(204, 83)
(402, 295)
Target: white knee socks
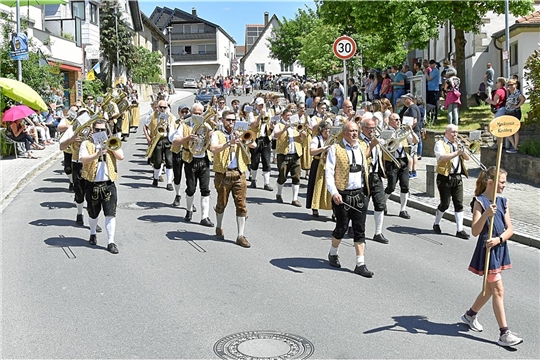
(379, 217)
(93, 225)
(254, 175)
(219, 220)
(157, 172)
(403, 200)
(177, 189)
(459, 220)
(110, 227)
(266, 177)
(279, 189)
(79, 208)
(170, 175)
(295, 191)
(438, 217)
(205, 206)
(189, 203)
(240, 224)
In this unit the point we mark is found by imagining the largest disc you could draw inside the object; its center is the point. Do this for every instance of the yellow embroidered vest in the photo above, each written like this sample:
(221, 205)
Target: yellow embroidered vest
(341, 173)
(89, 170)
(221, 159)
(444, 167)
(282, 146)
(405, 145)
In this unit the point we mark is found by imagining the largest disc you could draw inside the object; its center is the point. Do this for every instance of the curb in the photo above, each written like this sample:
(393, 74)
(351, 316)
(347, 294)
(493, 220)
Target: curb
(415, 204)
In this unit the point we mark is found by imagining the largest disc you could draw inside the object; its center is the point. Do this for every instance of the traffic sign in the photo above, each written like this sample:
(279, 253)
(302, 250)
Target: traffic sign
(344, 47)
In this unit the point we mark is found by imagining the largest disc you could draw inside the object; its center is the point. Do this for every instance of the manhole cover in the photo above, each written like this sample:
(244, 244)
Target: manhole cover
(263, 345)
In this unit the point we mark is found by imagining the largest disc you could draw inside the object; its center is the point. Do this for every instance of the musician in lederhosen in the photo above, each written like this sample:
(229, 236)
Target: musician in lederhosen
(274, 109)
(289, 151)
(318, 197)
(262, 129)
(372, 149)
(347, 182)
(196, 169)
(135, 111)
(64, 125)
(401, 173)
(305, 160)
(176, 149)
(451, 158)
(160, 120)
(100, 172)
(231, 159)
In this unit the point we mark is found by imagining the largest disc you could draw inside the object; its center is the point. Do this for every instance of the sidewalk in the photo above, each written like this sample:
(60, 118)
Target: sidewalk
(524, 201)
(16, 173)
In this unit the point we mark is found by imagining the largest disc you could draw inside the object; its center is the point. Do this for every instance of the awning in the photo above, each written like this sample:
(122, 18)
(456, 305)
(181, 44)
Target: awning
(66, 67)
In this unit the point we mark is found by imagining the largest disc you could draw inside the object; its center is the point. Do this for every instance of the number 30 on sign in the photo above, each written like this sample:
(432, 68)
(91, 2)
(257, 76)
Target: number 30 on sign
(344, 47)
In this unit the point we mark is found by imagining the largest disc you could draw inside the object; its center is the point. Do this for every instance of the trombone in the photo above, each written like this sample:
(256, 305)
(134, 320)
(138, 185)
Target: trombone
(387, 146)
(470, 148)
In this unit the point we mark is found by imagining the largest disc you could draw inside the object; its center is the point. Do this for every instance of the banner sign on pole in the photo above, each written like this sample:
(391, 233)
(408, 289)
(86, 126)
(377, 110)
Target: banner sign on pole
(19, 46)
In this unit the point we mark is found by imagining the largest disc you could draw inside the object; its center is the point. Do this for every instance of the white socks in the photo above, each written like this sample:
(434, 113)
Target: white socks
(219, 220)
(157, 172)
(93, 225)
(240, 224)
(266, 177)
(459, 220)
(189, 203)
(170, 175)
(379, 217)
(205, 206)
(295, 191)
(333, 250)
(279, 189)
(403, 200)
(254, 175)
(70, 177)
(360, 260)
(438, 217)
(79, 208)
(177, 189)
(110, 227)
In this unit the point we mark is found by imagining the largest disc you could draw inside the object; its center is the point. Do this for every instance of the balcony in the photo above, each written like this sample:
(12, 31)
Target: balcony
(194, 57)
(192, 36)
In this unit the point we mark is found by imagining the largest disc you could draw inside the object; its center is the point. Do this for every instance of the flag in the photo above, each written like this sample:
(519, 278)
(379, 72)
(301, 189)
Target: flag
(90, 75)
(97, 68)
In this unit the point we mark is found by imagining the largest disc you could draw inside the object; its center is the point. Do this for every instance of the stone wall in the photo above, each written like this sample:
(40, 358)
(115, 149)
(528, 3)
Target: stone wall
(525, 168)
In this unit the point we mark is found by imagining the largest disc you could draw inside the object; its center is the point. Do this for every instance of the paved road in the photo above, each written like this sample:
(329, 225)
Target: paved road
(174, 290)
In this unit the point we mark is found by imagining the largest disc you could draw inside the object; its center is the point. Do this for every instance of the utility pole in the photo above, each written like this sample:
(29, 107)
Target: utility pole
(169, 29)
(507, 36)
(18, 15)
(117, 55)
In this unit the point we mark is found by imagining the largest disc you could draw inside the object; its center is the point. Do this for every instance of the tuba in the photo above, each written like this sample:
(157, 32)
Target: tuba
(121, 101)
(200, 145)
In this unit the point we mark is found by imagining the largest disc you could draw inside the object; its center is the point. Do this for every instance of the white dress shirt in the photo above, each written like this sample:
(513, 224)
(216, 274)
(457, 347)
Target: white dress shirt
(356, 180)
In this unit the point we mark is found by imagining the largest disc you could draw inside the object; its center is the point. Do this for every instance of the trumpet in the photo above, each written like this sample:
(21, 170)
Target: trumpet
(113, 143)
(470, 148)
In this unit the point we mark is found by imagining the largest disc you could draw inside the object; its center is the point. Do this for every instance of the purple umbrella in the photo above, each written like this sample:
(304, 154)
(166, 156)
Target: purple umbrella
(17, 112)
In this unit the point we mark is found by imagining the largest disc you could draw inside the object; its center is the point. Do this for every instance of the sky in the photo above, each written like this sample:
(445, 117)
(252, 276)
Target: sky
(232, 16)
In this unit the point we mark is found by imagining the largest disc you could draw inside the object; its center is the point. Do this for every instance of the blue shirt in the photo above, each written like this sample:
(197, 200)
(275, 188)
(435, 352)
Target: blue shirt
(397, 78)
(433, 84)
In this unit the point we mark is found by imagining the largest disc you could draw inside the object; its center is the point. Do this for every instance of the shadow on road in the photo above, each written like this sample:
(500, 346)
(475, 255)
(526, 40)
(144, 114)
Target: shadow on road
(147, 171)
(57, 204)
(291, 264)
(53, 222)
(58, 180)
(259, 200)
(408, 230)
(52, 190)
(191, 236)
(161, 218)
(138, 185)
(71, 241)
(137, 177)
(419, 324)
(318, 233)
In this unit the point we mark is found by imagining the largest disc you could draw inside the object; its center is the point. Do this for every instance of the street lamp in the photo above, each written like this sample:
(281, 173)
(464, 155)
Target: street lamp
(169, 28)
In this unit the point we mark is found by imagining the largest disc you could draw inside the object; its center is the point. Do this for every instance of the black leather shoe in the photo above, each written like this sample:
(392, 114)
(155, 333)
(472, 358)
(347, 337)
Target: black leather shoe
(93, 240)
(154, 183)
(207, 222)
(268, 188)
(362, 270)
(80, 220)
(462, 235)
(380, 238)
(315, 213)
(350, 232)
(170, 187)
(70, 186)
(404, 215)
(334, 261)
(253, 185)
(98, 228)
(112, 248)
(437, 229)
(279, 199)
(176, 202)
(189, 216)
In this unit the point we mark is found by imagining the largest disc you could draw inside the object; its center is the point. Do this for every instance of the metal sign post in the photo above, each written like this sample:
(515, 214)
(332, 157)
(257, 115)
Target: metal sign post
(344, 48)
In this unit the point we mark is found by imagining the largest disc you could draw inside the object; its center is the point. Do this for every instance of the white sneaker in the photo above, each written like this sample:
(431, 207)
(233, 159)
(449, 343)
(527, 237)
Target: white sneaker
(472, 322)
(509, 339)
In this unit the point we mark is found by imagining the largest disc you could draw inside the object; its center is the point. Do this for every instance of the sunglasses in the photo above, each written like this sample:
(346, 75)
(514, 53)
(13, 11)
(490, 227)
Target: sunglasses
(230, 119)
(163, 107)
(221, 103)
(99, 129)
(90, 98)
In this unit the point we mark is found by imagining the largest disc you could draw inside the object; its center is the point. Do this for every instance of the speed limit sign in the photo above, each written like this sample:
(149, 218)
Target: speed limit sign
(344, 47)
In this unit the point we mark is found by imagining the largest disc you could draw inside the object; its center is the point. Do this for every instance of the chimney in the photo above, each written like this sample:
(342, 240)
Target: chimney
(265, 18)
(193, 11)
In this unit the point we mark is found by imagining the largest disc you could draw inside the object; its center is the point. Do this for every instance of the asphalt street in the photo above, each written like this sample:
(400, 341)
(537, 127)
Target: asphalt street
(174, 290)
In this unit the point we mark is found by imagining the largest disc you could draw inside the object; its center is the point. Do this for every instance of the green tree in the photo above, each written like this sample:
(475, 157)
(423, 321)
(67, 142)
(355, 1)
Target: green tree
(39, 75)
(532, 75)
(145, 67)
(116, 38)
(92, 87)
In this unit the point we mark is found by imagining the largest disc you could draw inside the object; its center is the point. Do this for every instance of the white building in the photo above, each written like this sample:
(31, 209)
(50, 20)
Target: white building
(199, 47)
(257, 59)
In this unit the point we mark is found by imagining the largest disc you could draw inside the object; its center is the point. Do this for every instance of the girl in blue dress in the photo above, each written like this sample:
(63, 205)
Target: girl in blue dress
(484, 212)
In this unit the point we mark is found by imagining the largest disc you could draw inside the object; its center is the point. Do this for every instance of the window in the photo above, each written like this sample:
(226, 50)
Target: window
(201, 28)
(187, 50)
(513, 54)
(207, 49)
(93, 14)
(260, 68)
(286, 68)
(77, 10)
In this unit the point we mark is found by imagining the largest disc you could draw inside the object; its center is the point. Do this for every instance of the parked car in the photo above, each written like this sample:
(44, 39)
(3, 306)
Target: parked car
(204, 96)
(190, 83)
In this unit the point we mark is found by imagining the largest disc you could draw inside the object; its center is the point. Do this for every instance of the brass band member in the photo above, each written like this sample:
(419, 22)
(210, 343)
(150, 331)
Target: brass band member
(347, 182)
(196, 169)
(135, 111)
(178, 163)
(371, 147)
(395, 173)
(450, 166)
(289, 150)
(263, 130)
(305, 160)
(162, 151)
(317, 196)
(100, 172)
(230, 162)
(64, 124)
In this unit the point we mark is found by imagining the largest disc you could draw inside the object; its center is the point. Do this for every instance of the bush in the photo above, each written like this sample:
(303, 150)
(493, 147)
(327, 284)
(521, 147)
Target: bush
(530, 147)
(532, 75)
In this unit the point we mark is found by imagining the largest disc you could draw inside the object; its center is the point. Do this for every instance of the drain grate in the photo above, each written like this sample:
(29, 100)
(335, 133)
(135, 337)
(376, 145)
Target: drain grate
(263, 345)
